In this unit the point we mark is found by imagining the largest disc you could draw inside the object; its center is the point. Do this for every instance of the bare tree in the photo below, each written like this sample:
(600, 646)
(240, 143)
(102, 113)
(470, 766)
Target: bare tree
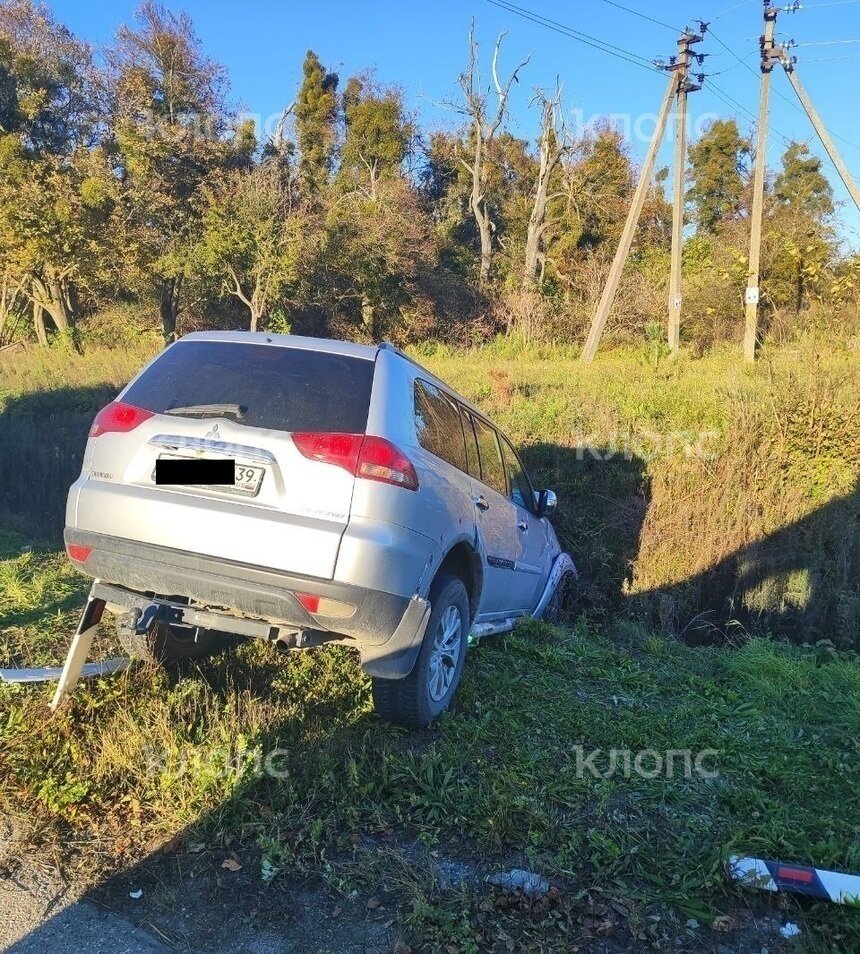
(485, 123)
(553, 144)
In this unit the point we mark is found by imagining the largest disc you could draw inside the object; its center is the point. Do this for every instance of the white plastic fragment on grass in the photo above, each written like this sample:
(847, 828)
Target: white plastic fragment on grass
(137, 894)
(529, 882)
(109, 667)
(789, 930)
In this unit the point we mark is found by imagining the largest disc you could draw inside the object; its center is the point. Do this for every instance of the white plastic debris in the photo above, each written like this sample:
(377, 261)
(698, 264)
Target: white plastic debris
(137, 894)
(789, 930)
(529, 882)
(52, 673)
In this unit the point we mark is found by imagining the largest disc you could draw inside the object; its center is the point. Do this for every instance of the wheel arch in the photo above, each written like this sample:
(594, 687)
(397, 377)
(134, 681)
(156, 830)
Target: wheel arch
(463, 561)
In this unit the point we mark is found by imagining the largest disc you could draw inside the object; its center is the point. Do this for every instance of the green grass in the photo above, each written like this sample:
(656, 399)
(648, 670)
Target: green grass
(140, 759)
(494, 783)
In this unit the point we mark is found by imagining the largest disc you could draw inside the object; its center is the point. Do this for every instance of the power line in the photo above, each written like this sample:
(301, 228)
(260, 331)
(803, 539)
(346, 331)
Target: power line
(585, 38)
(830, 3)
(736, 6)
(643, 16)
(730, 101)
(828, 42)
(832, 59)
(778, 92)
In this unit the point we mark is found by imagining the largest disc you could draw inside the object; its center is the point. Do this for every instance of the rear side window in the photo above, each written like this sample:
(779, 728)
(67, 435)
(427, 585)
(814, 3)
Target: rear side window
(437, 423)
(492, 468)
(285, 389)
(473, 460)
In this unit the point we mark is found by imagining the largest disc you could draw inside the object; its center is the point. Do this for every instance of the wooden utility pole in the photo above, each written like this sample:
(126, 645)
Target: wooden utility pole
(682, 67)
(768, 56)
(608, 297)
(820, 128)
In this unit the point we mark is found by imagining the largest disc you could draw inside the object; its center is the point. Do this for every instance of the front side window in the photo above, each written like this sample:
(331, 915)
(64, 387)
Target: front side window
(437, 423)
(492, 468)
(521, 488)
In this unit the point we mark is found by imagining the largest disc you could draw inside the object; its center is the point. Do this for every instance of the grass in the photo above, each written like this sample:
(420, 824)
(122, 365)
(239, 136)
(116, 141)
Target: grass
(146, 758)
(141, 759)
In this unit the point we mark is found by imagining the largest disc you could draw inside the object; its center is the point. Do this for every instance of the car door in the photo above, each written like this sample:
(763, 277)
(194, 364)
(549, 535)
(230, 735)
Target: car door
(496, 518)
(533, 563)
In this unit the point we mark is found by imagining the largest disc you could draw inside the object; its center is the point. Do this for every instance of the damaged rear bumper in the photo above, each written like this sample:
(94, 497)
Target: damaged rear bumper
(156, 582)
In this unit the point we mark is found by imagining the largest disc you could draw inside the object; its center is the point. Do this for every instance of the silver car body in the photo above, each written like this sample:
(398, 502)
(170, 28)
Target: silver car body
(369, 549)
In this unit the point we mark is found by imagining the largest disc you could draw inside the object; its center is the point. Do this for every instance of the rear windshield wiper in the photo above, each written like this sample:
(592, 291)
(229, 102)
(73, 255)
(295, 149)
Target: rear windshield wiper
(236, 411)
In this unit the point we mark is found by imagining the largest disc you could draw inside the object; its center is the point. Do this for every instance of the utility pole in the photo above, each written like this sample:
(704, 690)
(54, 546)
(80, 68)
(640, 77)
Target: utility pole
(606, 300)
(823, 135)
(768, 57)
(682, 68)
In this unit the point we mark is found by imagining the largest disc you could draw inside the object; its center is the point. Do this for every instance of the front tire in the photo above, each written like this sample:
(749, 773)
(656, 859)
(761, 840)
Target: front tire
(427, 691)
(561, 606)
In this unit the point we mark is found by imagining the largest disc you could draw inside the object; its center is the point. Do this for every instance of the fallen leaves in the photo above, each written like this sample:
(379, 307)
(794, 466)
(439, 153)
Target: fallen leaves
(232, 863)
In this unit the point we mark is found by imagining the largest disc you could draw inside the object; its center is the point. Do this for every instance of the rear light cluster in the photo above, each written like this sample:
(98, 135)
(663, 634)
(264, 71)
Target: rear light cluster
(78, 552)
(372, 458)
(118, 418)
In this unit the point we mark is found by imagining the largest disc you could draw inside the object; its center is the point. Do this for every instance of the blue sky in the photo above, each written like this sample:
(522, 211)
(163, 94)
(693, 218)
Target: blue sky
(422, 48)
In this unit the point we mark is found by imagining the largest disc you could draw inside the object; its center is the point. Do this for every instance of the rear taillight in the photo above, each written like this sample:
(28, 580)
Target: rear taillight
(118, 418)
(338, 449)
(372, 458)
(379, 459)
(78, 552)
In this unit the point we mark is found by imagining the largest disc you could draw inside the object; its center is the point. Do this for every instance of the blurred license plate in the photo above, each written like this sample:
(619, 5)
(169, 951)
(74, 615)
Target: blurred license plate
(246, 482)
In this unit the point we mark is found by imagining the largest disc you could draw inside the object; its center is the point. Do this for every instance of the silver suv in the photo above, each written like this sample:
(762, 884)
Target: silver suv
(306, 491)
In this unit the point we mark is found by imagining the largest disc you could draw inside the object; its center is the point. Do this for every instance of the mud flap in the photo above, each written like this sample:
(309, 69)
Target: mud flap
(80, 648)
(395, 658)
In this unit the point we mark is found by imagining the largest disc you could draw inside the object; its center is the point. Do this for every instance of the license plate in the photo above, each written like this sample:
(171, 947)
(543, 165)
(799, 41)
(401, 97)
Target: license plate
(246, 482)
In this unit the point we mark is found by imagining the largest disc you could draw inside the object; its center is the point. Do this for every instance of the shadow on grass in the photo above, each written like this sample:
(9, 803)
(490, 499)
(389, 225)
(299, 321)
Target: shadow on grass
(801, 582)
(43, 435)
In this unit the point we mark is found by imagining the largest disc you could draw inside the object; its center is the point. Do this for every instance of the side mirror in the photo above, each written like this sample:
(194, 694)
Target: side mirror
(546, 502)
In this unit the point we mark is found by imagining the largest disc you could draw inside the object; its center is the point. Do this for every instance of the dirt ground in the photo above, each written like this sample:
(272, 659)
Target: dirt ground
(185, 901)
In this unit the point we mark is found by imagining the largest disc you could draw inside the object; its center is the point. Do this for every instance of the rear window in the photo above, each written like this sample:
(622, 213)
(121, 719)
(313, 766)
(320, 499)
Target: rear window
(285, 389)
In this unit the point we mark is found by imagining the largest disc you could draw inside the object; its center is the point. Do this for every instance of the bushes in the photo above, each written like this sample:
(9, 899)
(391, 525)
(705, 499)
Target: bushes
(122, 324)
(708, 497)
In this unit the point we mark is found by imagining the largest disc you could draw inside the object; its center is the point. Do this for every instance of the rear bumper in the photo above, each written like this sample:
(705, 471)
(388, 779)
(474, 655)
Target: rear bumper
(387, 629)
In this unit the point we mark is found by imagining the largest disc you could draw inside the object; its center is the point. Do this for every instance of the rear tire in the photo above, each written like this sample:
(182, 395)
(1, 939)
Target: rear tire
(170, 645)
(427, 691)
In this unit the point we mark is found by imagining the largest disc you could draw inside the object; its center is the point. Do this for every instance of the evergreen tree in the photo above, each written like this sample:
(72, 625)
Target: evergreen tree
(717, 174)
(801, 184)
(316, 118)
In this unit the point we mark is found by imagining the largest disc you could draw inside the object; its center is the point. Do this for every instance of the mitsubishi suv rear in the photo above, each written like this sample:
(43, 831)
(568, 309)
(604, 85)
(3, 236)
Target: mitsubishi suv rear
(366, 503)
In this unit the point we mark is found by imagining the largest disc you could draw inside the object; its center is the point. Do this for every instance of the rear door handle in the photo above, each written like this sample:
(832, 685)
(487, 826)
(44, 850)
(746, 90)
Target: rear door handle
(523, 525)
(481, 502)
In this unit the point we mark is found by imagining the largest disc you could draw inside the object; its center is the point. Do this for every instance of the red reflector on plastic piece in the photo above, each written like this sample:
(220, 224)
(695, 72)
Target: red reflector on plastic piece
(325, 606)
(798, 875)
(78, 552)
(310, 601)
(118, 418)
